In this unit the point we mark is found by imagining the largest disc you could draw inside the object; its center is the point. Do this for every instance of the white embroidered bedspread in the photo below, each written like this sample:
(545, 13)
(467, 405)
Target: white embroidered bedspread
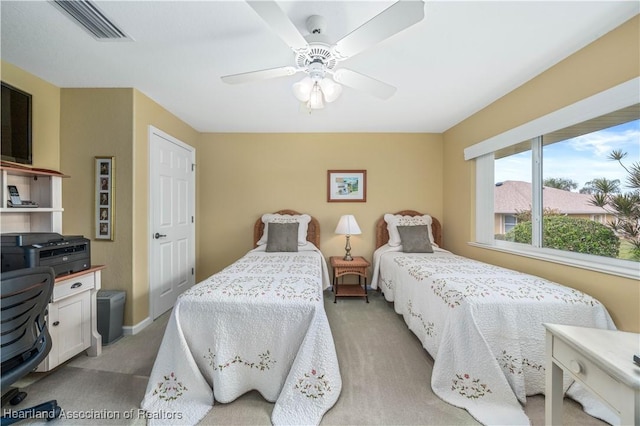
(259, 324)
(483, 326)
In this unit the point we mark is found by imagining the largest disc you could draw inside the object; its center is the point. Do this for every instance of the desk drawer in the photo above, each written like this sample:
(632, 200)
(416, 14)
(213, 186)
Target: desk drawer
(598, 381)
(73, 286)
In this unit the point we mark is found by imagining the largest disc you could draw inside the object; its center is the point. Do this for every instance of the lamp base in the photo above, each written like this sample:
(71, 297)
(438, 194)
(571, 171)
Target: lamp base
(347, 248)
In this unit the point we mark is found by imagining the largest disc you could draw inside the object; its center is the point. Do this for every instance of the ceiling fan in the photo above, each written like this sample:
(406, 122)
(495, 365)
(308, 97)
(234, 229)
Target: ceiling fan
(316, 57)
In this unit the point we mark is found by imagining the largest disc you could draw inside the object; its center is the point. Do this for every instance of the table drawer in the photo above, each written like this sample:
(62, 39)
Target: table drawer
(598, 381)
(73, 286)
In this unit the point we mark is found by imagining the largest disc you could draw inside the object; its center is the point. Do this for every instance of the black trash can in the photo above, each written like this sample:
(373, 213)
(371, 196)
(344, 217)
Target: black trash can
(110, 314)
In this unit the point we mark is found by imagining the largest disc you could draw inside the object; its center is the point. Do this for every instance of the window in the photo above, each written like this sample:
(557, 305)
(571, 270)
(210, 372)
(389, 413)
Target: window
(542, 178)
(510, 221)
(512, 192)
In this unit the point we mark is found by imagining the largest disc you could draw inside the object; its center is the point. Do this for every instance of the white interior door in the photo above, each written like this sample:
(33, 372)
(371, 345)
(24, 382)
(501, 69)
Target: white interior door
(172, 224)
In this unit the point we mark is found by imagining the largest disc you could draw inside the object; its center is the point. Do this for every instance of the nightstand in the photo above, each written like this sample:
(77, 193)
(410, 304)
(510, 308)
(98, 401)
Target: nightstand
(358, 266)
(601, 360)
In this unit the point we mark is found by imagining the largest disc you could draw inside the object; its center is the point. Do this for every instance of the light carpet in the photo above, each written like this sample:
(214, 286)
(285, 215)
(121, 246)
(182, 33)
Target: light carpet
(385, 374)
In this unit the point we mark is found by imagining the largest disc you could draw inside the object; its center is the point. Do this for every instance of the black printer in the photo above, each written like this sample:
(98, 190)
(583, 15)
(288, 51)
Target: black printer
(65, 254)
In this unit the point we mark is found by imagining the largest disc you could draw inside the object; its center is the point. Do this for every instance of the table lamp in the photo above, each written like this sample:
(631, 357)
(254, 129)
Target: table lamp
(348, 226)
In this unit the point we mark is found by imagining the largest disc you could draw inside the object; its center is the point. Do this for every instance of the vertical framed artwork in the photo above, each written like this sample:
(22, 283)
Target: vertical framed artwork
(105, 198)
(346, 186)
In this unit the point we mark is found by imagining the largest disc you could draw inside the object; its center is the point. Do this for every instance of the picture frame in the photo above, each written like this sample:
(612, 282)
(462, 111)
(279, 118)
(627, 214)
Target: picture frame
(346, 186)
(104, 198)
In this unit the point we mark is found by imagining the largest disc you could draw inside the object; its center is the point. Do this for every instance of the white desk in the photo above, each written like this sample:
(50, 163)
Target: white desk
(73, 317)
(601, 360)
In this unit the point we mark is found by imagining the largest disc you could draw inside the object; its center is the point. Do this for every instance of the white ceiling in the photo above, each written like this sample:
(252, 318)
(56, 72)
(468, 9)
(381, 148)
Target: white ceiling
(460, 58)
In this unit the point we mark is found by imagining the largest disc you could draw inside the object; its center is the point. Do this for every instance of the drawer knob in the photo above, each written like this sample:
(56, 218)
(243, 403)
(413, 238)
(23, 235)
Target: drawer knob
(56, 323)
(76, 285)
(575, 366)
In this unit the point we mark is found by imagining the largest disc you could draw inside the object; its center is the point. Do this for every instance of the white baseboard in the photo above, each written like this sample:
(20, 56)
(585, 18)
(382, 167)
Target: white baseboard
(129, 330)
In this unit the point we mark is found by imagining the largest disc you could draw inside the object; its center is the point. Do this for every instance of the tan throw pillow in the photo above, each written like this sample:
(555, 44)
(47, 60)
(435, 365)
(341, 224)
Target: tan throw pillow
(415, 239)
(282, 237)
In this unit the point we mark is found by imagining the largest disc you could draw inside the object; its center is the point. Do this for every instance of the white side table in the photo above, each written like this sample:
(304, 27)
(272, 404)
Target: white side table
(601, 360)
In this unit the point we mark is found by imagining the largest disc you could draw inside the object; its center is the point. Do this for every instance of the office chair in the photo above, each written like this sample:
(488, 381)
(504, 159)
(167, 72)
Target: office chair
(25, 339)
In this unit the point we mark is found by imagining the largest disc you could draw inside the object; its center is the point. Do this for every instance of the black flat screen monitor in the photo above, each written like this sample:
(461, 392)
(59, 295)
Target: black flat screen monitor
(16, 125)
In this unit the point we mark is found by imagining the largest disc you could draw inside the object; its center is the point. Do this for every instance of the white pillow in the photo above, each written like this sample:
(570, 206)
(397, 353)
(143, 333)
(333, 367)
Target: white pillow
(394, 220)
(302, 219)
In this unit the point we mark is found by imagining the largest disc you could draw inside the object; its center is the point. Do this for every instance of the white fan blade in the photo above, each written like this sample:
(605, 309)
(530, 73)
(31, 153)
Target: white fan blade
(391, 21)
(247, 77)
(364, 83)
(280, 23)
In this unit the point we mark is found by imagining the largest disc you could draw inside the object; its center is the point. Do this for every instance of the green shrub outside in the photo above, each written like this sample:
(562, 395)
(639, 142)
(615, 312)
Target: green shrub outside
(570, 234)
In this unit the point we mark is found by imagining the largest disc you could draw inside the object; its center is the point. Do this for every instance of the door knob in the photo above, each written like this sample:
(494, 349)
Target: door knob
(159, 235)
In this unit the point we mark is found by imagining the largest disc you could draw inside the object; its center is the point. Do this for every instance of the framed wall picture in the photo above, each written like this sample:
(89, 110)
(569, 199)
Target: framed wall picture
(346, 186)
(105, 198)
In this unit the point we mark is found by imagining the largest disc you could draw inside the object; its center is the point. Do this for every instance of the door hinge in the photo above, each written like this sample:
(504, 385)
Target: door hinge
(193, 271)
(191, 219)
(193, 167)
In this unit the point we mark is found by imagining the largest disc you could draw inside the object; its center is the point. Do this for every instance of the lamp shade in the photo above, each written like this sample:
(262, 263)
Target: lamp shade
(316, 98)
(348, 225)
(302, 89)
(330, 89)
(314, 93)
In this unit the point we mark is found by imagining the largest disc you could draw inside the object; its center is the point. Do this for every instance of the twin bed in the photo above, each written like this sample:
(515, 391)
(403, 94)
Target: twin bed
(259, 324)
(482, 324)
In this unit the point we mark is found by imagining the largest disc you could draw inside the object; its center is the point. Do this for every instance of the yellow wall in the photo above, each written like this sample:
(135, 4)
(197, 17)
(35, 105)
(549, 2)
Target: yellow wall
(114, 122)
(45, 111)
(147, 113)
(242, 176)
(609, 61)
(98, 122)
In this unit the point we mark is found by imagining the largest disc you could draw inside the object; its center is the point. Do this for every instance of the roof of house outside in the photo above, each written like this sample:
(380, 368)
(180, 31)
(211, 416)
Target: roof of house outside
(513, 196)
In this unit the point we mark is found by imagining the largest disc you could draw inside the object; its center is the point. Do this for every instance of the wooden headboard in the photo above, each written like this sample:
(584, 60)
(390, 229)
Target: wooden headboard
(382, 235)
(313, 230)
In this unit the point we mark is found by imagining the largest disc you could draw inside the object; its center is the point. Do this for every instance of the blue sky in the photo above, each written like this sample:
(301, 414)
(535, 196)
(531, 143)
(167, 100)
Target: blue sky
(580, 159)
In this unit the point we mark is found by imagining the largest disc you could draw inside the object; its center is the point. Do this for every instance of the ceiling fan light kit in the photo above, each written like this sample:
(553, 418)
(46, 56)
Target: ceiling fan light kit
(316, 89)
(330, 89)
(315, 98)
(317, 58)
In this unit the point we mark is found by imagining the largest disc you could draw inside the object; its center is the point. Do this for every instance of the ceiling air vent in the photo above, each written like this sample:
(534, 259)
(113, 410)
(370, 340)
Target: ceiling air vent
(87, 14)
